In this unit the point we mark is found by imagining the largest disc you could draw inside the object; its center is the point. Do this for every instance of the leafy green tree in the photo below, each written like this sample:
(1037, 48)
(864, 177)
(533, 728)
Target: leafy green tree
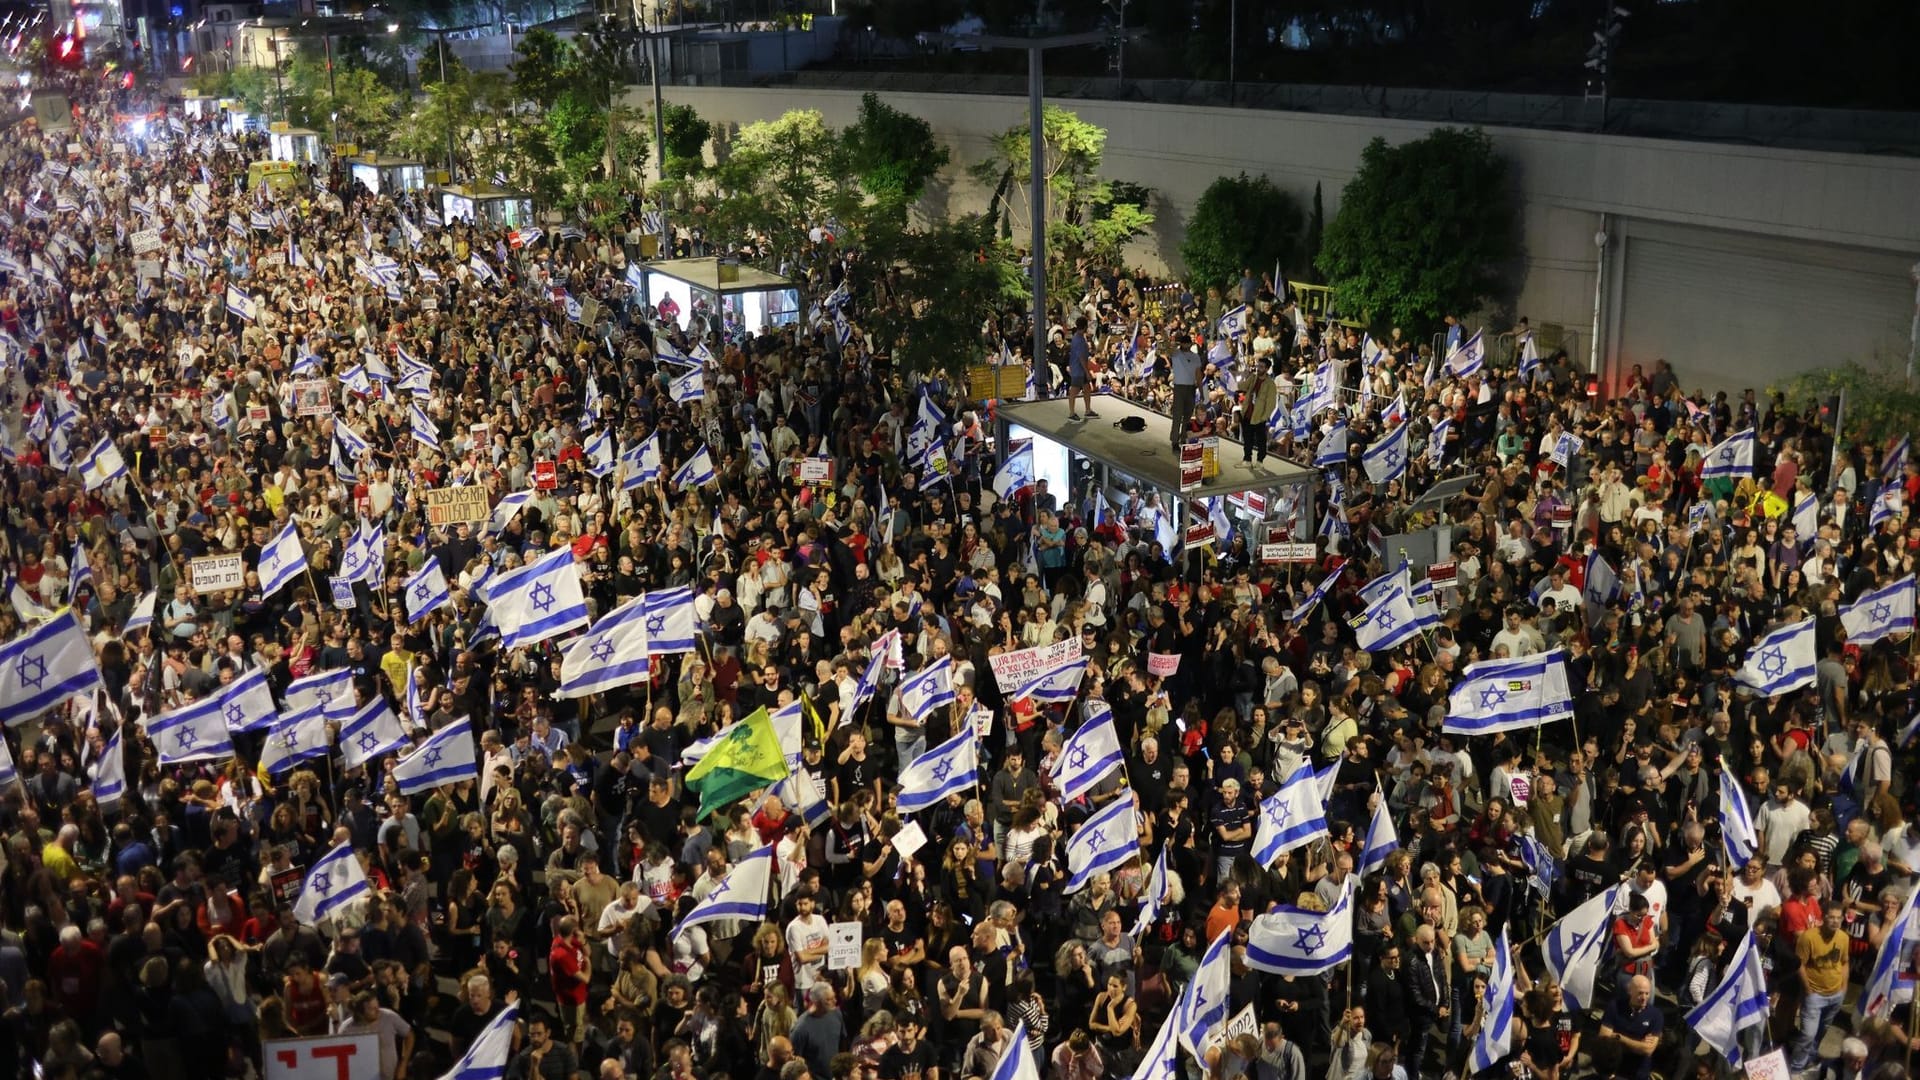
(779, 179)
(1423, 229)
(893, 153)
(1239, 222)
(541, 68)
(686, 139)
(1880, 402)
(942, 283)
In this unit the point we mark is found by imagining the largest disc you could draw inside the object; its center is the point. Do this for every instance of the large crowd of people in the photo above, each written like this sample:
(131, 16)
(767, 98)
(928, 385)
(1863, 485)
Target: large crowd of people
(168, 931)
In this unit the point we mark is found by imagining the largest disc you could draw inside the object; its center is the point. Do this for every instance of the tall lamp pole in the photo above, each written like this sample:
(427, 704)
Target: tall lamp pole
(1035, 48)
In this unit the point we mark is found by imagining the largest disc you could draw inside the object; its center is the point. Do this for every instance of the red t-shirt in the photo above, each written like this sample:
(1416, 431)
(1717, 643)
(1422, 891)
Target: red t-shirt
(566, 963)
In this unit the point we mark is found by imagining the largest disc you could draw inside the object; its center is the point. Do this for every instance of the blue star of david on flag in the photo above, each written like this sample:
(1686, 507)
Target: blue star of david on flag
(942, 770)
(1310, 939)
(1079, 757)
(291, 740)
(602, 650)
(1727, 455)
(1880, 612)
(656, 624)
(422, 591)
(323, 884)
(1387, 620)
(1393, 459)
(368, 741)
(185, 737)
(1492, 696)
(1772, 663)
(1096, 840)
(542, 597)
(236, 715)
(32, 671)
(1279, 815)
(720, 889)
(433, 756)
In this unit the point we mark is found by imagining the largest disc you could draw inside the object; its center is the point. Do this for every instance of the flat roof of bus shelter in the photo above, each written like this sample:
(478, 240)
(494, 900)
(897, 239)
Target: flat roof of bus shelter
(1146, 454)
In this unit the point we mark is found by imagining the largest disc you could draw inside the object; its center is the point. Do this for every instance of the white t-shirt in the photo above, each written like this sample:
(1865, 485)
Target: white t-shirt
(1764, 897)
(806, 933)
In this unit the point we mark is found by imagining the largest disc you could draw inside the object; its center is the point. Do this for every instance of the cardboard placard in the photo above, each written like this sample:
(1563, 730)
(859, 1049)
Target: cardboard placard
(1443, 573)
(816, 470)
(1013, 670)
(1771, 1065)
(312, 397)
(1289, 553)
(909, 839)
(259, 415)
(843, 946)
(337, 1057)
(465, 503)
(144, 241)
(217, 573)
(1200, 534)
(1162, 664)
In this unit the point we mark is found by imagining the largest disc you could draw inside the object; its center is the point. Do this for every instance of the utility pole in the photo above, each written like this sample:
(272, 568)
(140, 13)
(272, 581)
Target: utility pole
(1599, 62)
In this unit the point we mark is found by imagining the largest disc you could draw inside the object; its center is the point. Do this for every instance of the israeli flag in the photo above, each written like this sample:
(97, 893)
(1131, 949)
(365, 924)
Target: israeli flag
(426, 590)
(1884, 611)
(1296, 941)
(1091, 754)
(82, 571)
(1162, 1058)
(757, 455)
(1332, 452)
(240, 305)
(415, 377)
(1468, 358)
(1388, 621)
(1737, 831)
(1154, 898)
(671, 625)
(1202, 1007)
(335, 881)
(246, 703)
(478, 267)
(599, 453)
(538, 601)
(1876, 997)
(1104, 841)
(869, 681)
(1782, 661)
(506, 510)
(44, 667)
(1381, 841)
(1289, 818)
(1386, 460)
(612, 653)
(952, 766)
(296, 737)
(142, 615)
(1806, 517)
(373, 553)
(1017, 1062)
(194, 732)
(102, 465)
(1510, 693)
(696, 472)
(688, 388)
(1496, 1030)
(372, 731)
(800, 791)
(1529, 356)
(1437, 441)
(1893, 466)
(1015, 473)
(329, 691)
(1318, 594)
(1057, 685)
(447, 757)
(1732, 459)
(640, 463)
(420, 426)
(1572, 946)
(282, 560)
(928, 688)
(487, 1058)
(1886, 506)
(1426, 605)
(1738, 1003)
(1233, 324)
(110, 775)
(741, 894)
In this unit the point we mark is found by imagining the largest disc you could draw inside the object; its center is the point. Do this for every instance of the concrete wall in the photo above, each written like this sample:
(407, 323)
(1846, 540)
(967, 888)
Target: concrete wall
(1566, 180)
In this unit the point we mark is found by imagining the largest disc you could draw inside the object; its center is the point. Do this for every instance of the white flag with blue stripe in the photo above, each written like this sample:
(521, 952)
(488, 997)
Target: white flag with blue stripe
(1886, 506)
(1017, 1062)
(1571, 948)
(1014, 473)
(1738, 1003)
(1510, 693)
(329, 691)
(110, 773)
(1782, 661)
(44, 667)
(951, 767)
(640, 463)
(506, 510)
(1806, 516)
(420, 426)
(371, 731)
(741, 894)
(487, 1058)
(296, 737)
(599, 453)
(1893, 466)
(1468, 358)
(1091, 754)
(1386, 460)
(671, 627)
(688, 388)
(1203, 1003)
(1296, 941)
(1154, 898)
(538, 601)
(757, 456)
(1318, 594)
(1381, 841)
(102, 465)
(1332, 451)
(335, 881)
(1289, 818)
(282, 560)
(612, 653)
(1881, 613)
(1103, 842)
(447, 757)
(141, 617)
(1737, 831)
(1495, 1039)
(426, 590)
(1055, 686)
(1877, 995)
(246, 703)
(415, 377)
(696, 471)
(1233, 324)
(194, 732)
(1732, 459)
(928, 688)
(1389, 620)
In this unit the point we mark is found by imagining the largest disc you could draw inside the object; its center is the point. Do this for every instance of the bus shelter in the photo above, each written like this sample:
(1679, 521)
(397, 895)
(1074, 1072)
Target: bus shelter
(744, 296)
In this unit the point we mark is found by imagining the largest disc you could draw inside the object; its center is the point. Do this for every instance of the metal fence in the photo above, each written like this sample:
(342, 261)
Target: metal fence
(1848, 130)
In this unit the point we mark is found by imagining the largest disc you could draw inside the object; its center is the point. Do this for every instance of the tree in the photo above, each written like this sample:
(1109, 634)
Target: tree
(942, 284)
(1880, 402)
(686, 139)
(1239, 222)
(540, 68)
(1316, 235)
(780, 179)
(1422, 230)
(893, 153)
